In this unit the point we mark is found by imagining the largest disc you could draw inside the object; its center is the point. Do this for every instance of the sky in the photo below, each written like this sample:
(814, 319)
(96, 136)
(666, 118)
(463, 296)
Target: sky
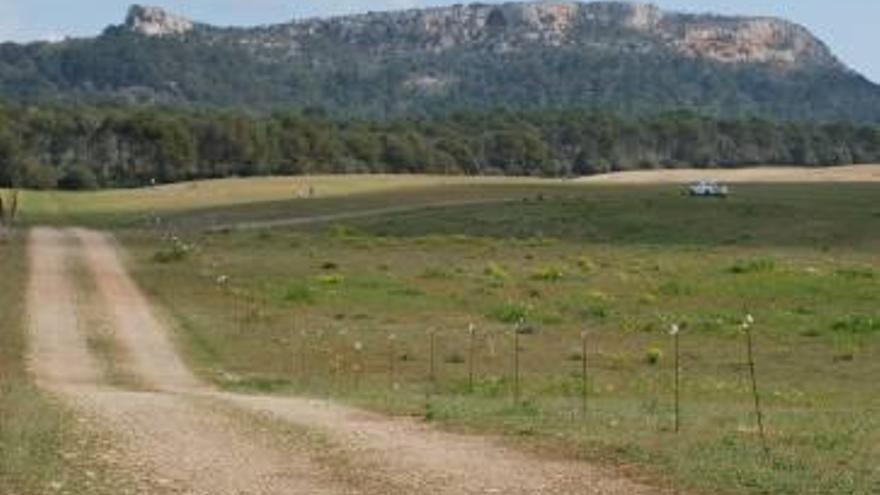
(847, 26)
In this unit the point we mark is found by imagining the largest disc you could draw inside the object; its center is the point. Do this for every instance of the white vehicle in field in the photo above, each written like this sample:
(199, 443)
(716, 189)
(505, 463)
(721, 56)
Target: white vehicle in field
(708, 188)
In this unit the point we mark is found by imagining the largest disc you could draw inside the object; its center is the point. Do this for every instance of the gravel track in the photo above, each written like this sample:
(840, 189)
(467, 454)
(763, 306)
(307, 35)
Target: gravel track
(851, 173)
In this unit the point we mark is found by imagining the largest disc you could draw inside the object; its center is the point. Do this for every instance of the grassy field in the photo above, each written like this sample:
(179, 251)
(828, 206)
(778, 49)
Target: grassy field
(347, 309)
(230, 200)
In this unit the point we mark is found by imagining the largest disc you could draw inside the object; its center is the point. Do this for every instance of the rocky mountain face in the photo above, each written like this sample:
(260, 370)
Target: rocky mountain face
(625, 57)
(508, 27)
(154, 21)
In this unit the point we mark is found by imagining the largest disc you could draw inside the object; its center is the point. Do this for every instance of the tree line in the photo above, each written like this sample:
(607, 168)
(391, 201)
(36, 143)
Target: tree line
(85, 147)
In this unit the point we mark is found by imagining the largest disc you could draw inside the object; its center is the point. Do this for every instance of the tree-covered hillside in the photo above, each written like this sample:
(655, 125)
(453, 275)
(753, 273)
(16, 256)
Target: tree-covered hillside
(621, 58)
(87, 147)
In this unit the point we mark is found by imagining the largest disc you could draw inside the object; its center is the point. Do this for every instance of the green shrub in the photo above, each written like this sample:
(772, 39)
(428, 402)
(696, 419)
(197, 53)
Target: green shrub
(549, 274)
(332, 279)
(575, 355)
(762, 265)
(454, 358)
(857, 325)
(510, 312)
(856, 273)
(596, 311)
(597, 297)
(653, 355)
(78, 179)
(674, 289)
(406, 292)
(343, 231)
(298, 293)
(586, 264)
(436, 273)
(491, 386)
(496, 272)
(176, 251)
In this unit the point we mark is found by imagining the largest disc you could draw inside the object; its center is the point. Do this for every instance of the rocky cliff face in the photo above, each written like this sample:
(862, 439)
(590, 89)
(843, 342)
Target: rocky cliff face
(153, 21)
(511, 26)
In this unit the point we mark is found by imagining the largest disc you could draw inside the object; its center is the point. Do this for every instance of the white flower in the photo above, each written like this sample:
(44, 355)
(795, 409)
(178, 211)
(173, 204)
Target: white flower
(358, 346)
(674, 329)
(750, 319)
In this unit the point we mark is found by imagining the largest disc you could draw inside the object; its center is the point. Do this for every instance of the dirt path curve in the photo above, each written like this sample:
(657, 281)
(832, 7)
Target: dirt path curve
(175, 432)
(165, 440)
(441, 462)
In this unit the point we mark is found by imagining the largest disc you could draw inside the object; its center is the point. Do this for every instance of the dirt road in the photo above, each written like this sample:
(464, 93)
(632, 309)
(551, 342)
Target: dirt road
(852, 173)
(177, 435)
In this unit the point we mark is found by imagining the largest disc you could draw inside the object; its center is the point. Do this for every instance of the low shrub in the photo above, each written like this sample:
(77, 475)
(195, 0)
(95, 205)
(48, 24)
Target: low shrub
(653, 355)
(176, 251)
(510, 312)
(496, 272)
(674, 289)
(857, 325)
(334, 279)
(436, 273)
(549, 274)
(598, 311)
(454, 358)
(298, 293)
(762, 265)
(856, 273)
(586, 264)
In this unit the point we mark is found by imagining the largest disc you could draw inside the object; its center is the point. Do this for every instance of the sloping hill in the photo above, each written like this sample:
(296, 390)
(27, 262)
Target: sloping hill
(622, 57)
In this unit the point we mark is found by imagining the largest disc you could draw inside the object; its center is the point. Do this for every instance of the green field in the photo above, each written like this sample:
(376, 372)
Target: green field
(347, 308)
(256, 199)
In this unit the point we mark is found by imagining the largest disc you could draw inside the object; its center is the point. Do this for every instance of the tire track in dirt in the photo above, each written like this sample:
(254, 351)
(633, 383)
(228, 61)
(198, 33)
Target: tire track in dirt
(354, 215)
(416, 453)
(59, 355)
(175, 432)
(154, 360)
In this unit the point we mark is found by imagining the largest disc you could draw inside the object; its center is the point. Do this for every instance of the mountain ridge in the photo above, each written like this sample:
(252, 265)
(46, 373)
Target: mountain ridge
(725, 39)
(627, 58)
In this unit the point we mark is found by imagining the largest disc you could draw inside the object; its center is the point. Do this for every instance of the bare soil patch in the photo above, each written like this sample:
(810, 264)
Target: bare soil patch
(854, 173)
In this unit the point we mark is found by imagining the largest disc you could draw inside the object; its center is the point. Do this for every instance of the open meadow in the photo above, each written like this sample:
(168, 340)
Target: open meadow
(540, 310)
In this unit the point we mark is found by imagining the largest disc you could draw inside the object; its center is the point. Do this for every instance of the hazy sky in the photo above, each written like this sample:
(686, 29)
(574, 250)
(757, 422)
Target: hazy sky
(848, 26)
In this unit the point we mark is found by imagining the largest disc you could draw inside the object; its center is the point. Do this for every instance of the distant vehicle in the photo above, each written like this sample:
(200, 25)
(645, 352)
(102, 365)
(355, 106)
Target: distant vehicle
(708, 188)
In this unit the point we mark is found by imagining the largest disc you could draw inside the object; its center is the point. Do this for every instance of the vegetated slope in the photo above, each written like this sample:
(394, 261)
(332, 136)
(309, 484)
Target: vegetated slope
(615, 56)
(79, 147)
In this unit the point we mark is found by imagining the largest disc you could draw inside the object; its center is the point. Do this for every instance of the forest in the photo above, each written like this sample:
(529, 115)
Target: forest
(88, 147)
